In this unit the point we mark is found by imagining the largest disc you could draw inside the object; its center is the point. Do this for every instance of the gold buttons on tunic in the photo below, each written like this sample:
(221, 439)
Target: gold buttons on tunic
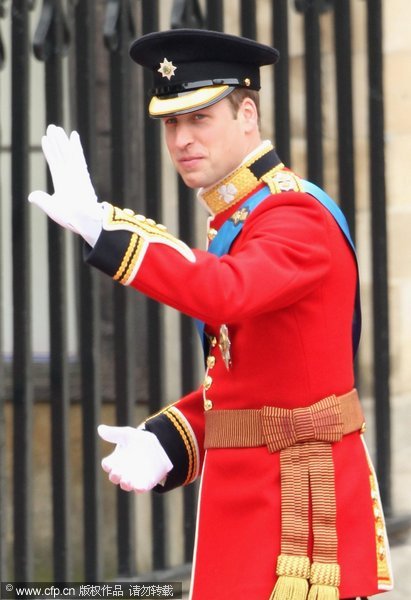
(208, 405)
(210, 362)
(211, 233)
(146, 221)
(207, 382)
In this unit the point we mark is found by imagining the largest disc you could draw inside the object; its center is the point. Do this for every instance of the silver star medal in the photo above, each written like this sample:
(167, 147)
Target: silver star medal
(167, 69)
(224, 344)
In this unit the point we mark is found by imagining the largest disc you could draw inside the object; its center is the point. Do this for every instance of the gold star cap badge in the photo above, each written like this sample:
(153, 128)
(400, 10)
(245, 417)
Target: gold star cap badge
(167, 69)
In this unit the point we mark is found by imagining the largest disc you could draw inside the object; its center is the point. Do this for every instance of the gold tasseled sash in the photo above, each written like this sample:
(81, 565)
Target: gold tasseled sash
(304, 437)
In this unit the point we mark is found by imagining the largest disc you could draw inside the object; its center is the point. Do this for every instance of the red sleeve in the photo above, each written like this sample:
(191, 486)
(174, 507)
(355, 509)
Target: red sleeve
(281, 255)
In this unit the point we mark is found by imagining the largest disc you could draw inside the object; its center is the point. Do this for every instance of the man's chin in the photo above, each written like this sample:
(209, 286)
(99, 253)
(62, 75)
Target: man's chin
(192, 181)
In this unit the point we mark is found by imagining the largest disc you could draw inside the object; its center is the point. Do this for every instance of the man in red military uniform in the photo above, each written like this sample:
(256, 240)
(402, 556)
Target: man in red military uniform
(289, 505)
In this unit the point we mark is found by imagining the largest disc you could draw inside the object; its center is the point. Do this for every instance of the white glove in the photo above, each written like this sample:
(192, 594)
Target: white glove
(74, 203)
(138, 462)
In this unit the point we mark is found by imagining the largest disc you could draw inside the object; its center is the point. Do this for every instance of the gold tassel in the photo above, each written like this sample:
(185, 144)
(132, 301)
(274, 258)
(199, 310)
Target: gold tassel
(324, 580)
(323, 592)
(293, 573)
(290, 588)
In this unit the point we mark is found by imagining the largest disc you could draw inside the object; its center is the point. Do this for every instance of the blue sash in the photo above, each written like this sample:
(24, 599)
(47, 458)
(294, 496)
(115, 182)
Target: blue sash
(335, 210)
(222, 242)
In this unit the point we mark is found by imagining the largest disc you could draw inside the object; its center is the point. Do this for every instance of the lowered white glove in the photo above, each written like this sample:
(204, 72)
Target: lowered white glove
(138, 462)
(74, 204)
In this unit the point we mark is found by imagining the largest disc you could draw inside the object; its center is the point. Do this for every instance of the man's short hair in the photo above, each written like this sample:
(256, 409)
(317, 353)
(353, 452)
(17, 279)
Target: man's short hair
(239, 94)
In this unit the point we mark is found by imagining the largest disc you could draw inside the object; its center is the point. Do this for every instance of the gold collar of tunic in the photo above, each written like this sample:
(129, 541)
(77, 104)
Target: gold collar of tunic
(263, 166)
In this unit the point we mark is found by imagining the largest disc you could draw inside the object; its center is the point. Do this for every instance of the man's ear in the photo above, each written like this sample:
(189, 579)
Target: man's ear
(248, 114)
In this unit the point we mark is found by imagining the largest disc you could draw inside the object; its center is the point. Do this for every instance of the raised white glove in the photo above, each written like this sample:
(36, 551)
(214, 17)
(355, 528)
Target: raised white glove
(138, 462)
(74, 204)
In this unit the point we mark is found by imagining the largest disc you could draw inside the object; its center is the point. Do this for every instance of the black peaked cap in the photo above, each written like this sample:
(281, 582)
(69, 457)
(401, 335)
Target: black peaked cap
(185, 61)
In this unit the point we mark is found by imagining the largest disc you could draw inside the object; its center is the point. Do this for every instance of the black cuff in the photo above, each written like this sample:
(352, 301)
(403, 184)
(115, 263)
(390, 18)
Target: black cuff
(109, 251)
(177, 441)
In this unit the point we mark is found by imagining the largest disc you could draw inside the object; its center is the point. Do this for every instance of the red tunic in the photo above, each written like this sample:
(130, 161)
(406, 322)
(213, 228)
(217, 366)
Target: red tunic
(286, 293)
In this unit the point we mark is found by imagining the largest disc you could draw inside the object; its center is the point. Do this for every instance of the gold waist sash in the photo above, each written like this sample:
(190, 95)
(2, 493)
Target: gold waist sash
(304, 437)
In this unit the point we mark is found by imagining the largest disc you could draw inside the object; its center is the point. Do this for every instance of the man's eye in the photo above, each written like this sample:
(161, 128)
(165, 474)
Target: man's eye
(170, 121)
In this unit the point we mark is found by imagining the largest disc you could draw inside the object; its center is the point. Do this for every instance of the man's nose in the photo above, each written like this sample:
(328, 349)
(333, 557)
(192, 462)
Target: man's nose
(184, 135)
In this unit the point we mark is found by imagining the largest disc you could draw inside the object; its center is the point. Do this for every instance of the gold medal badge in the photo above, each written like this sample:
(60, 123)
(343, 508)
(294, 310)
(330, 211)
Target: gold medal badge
(224, 344)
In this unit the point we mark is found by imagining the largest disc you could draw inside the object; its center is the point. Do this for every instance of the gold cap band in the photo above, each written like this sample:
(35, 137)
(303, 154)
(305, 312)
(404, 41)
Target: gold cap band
(186, 102)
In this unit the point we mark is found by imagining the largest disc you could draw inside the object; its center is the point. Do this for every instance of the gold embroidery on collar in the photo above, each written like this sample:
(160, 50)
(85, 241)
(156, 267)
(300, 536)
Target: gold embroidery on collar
(236, 185)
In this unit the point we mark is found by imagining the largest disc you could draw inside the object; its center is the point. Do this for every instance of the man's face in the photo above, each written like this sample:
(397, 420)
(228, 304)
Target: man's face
(207, 144)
